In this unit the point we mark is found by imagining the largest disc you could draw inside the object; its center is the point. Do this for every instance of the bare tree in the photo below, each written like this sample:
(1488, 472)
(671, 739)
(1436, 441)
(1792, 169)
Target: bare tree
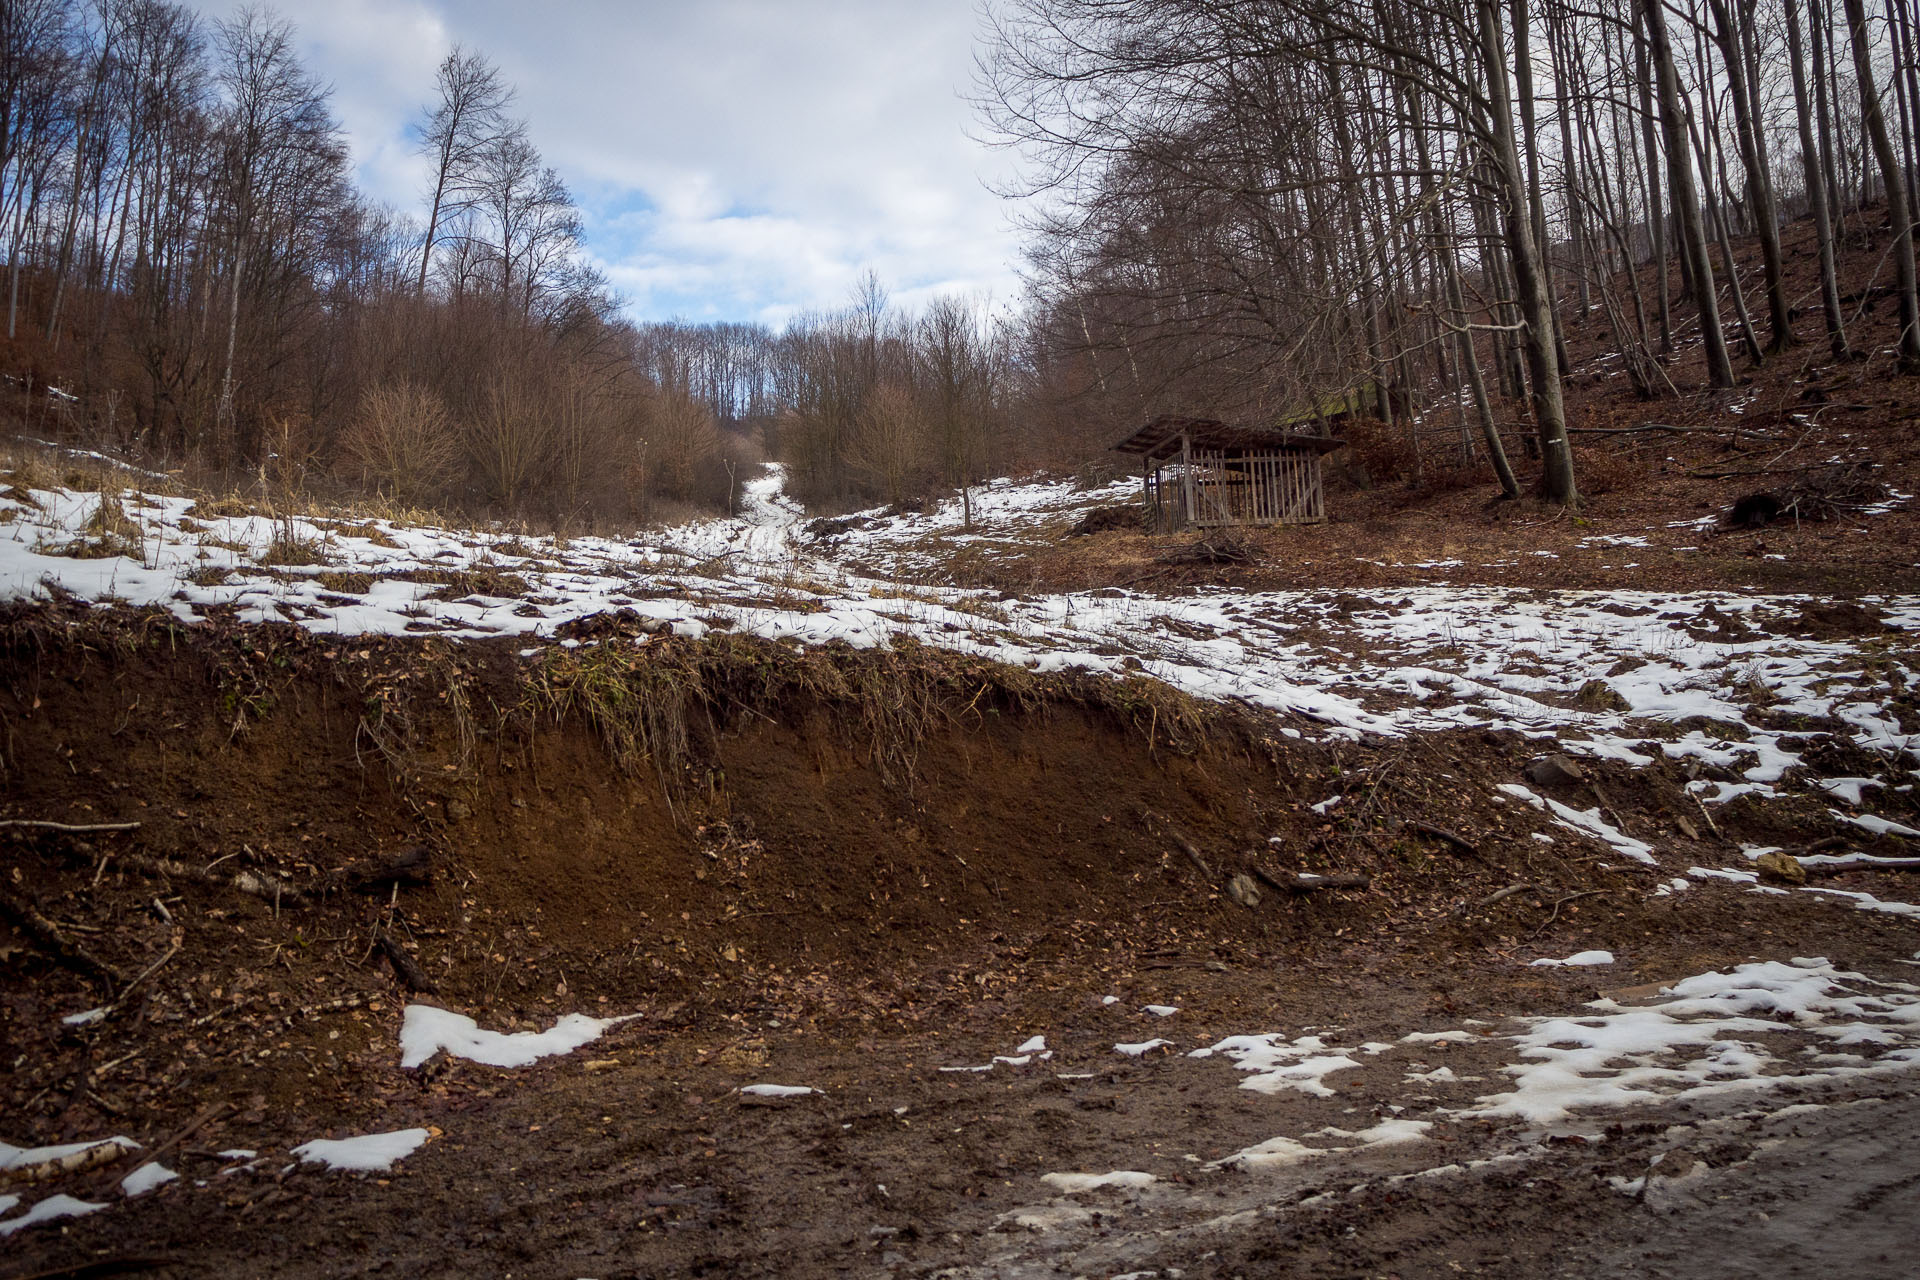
(1686, 200)
(1816, 190)
(1899, 219)
(468, 117)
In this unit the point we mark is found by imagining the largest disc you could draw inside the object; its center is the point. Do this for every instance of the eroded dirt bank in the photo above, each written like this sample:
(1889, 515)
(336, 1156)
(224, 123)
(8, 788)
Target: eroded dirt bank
(843, 872)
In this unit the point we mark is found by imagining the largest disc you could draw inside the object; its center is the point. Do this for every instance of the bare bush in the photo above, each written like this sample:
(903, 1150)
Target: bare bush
(404, 442)
(889, 441)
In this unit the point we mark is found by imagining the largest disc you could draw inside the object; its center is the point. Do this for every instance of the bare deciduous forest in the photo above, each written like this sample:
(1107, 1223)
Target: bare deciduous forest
(1273, 211)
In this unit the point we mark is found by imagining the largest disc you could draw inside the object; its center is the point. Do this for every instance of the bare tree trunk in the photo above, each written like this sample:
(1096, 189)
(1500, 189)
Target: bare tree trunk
(1470, 361)
(1816, 190)
(1686, 203)
(1523, 86)
(1898, 217)
(1747, 134)
(1535, 306)
(1656, 202)
(1717, 215)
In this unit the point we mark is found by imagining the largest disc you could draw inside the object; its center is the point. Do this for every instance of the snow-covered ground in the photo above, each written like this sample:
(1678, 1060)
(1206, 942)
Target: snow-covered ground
(1620, 674)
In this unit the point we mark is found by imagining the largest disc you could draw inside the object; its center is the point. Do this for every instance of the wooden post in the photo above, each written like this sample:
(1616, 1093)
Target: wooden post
(1186, 479)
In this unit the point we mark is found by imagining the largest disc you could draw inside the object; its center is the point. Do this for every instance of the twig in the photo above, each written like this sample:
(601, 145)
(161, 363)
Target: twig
(1711, 824)
(1501, 895)
(1572, 897)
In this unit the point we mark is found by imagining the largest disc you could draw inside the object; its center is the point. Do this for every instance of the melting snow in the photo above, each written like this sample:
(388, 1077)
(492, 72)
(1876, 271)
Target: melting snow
(1279, 1064)
(368, 1153)
(1070, 1184)
(1613, 1057)
(1581, 959)
(146, 1178)
(60, 1206)
(1136, 1049)
(425, 1030)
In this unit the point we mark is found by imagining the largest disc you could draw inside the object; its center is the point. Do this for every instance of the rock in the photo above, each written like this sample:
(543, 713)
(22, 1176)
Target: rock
(459, 811)
(1245, 891)
(1686, 826)
(1780, 868)
(1556, 770)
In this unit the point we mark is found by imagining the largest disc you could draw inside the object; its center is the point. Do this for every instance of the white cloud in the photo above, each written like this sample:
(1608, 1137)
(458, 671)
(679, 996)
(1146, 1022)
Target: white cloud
(734, 159)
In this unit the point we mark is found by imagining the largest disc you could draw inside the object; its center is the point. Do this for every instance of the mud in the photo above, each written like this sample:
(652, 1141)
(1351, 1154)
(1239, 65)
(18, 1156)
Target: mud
(809, 899)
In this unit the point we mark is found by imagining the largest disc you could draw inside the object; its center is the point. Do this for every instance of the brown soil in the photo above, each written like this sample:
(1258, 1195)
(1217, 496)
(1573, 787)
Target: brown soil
(853, 869)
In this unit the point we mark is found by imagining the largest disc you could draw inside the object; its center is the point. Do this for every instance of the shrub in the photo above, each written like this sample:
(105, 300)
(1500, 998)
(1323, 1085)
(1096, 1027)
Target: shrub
(404, 442)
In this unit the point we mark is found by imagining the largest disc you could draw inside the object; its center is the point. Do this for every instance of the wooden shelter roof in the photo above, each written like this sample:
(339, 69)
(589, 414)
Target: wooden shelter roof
(1161, 437)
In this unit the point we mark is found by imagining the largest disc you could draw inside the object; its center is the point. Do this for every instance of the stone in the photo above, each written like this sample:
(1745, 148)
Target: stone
(1244, 890)
(1686, 826)
(458, 811)
(1780, 868)
(1556, 770)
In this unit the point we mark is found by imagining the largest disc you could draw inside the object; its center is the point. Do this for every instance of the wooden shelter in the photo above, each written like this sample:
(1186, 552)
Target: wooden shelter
(1201, 473)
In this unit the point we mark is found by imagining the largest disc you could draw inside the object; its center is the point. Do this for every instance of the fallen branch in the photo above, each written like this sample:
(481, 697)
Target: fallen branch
(1193, 855)
(1501, 895)
(1844, 868)
(1306, 882)
(1445, 836)
(100, 1269)
(258, 885)
(1572, 897)
(405, 967)
(1737, 432)
(180, 1135)
(73, 1162)
(54, 942)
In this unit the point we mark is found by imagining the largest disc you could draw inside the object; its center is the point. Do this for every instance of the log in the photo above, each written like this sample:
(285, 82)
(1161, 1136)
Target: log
(73, 1162)
(1824, 869)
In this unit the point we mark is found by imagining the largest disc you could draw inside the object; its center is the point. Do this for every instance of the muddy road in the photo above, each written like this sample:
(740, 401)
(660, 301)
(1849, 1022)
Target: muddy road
(911, 969)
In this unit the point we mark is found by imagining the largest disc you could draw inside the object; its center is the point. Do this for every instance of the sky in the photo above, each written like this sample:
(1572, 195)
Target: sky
(732, 159)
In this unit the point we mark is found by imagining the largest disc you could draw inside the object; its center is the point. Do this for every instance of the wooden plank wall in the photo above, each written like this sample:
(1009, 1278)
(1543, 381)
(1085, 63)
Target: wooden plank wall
(1256, 489)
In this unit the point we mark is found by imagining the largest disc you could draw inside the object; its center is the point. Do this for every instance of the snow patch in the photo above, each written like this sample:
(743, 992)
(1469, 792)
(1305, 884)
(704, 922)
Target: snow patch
(371, 1152)
(425, 1031)
(53, 1207)
(1578, 960)
(1072, 1184)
